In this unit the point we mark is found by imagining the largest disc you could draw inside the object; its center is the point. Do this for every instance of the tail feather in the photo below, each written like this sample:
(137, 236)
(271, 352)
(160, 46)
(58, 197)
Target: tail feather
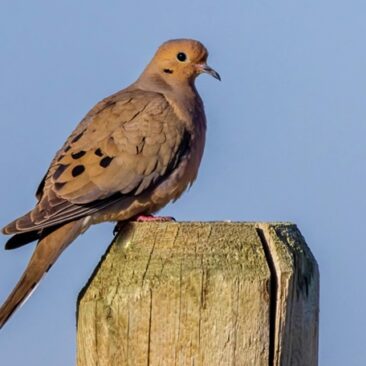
(21, 224)
(47, 251)
(18, 240)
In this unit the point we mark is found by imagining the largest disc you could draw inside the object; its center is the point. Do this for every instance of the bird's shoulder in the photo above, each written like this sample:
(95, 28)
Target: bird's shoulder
(121, 108)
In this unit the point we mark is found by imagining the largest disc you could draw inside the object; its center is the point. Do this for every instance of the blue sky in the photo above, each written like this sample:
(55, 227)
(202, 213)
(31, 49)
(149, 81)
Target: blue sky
(286, 138)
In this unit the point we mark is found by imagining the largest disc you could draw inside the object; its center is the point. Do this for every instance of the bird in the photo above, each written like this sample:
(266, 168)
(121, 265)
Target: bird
(132, 153)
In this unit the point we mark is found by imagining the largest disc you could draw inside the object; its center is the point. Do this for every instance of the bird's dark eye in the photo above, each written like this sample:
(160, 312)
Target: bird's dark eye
(181, 56)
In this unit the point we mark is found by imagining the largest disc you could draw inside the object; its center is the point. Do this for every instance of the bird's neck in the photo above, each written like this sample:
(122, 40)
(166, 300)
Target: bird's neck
(156, 81)
(181, 94)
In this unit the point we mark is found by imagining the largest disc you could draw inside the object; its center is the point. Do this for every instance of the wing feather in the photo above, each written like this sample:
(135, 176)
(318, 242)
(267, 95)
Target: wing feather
(124, 146)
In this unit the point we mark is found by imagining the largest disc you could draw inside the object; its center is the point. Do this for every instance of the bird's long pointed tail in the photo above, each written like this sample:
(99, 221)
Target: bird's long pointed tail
(47, 251)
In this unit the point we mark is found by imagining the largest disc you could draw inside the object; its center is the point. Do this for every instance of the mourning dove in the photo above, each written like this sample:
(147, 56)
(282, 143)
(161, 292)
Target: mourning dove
(134, 152)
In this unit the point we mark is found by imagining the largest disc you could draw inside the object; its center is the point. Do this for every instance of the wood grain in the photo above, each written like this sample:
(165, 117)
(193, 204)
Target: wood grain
(201, 294)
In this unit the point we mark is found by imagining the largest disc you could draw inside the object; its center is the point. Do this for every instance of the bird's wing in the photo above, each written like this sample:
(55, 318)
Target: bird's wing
(124, 146)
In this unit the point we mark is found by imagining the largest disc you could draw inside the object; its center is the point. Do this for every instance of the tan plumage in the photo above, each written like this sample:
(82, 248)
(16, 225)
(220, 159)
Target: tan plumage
(132, 153)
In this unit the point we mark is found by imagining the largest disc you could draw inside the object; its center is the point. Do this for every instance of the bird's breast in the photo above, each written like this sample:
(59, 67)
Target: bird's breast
(184, 174)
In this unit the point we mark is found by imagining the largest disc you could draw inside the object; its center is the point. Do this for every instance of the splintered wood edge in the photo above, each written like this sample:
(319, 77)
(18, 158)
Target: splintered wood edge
(295, 291)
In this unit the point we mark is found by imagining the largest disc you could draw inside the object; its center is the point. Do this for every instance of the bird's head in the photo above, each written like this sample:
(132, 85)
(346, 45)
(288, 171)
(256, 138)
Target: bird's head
(179, 61)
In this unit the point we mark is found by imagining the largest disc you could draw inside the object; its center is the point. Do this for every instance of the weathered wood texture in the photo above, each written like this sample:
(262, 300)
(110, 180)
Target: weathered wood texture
(202, 294)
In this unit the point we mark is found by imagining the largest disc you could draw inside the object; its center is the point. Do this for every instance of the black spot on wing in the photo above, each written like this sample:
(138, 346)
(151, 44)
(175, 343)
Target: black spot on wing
(61, 168)
(98, 152)
(79, 169)
(58, 185)
(78, 155)
(77, 137)
(105, 161)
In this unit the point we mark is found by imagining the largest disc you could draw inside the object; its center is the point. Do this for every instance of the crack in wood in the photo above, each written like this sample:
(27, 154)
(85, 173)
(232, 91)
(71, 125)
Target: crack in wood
(149, 333)
(273, 295)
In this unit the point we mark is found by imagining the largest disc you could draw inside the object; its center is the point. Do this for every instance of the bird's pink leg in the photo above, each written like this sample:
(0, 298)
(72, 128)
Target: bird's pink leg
(141, 218)
(151, 218)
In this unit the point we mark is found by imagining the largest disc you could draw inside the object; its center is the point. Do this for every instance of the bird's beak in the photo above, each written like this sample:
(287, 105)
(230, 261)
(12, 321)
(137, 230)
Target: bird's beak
(208, 70)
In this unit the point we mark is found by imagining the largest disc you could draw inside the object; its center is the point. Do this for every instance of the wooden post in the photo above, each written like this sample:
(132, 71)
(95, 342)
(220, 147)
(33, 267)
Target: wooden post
(202, 294)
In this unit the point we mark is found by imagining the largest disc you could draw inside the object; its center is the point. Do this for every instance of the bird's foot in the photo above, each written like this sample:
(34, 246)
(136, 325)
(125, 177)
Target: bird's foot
(151, 218)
